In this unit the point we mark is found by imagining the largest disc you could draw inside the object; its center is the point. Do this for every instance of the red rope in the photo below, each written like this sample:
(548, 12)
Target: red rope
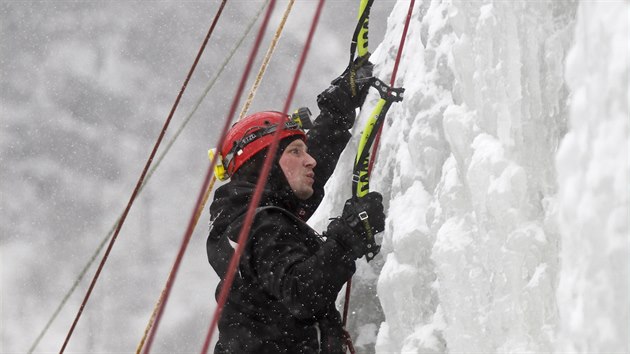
(242, 237)
(375, 148)
(393, 80)
(349, 345)
(346, 304)
(262, 180)
(141, 180)
(402, 43)
(346, 307)
(206, 182)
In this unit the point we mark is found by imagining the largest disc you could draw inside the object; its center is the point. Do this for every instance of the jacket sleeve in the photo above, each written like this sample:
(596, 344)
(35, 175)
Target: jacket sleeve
(306, 283)
(326, 141)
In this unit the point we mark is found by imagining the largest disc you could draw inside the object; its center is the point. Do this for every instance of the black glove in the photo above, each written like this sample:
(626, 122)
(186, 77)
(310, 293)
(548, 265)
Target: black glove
(361, 219)
(339, 98)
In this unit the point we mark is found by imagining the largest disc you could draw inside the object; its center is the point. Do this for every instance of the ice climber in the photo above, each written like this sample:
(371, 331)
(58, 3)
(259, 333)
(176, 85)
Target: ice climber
(283, 296)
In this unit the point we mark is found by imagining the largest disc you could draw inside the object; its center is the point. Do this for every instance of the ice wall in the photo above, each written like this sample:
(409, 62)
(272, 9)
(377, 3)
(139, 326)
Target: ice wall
(593, 170)
(485, 111)
(493, 238)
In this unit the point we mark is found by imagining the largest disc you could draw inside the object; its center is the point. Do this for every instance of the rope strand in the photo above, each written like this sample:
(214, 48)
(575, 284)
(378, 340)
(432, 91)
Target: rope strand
(154, 167)
(377, 139)
(267, 58)
(242, 238)
(140, 181)
(209, 173)
(210, 187)
(307, 46)
(272, 150)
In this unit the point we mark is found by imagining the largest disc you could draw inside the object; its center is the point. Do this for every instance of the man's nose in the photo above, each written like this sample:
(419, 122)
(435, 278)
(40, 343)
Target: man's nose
(310, 161)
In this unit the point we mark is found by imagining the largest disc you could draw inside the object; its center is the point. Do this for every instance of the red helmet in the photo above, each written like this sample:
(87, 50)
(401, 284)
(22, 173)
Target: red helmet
(253, 133)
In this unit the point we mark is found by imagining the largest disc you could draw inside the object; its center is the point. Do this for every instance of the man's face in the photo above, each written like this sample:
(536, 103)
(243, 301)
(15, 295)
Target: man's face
(297, 166)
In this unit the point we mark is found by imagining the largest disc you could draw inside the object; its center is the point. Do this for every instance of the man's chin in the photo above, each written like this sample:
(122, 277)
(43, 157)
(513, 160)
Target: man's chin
(304, 194)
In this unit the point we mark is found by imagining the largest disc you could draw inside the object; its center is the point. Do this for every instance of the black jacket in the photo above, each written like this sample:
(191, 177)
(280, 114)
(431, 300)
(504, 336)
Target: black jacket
(283, 296)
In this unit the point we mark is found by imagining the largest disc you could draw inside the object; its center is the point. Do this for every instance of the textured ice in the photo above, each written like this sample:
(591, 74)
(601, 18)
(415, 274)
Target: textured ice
(505, 176)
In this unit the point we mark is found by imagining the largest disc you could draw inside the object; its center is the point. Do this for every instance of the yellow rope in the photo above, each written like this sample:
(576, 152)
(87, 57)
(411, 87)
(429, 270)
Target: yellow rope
(151, 321)
(161, 299)
(263, 67)
(206, 196)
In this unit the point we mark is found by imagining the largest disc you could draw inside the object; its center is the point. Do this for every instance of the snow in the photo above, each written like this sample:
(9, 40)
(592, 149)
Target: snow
(504, 171)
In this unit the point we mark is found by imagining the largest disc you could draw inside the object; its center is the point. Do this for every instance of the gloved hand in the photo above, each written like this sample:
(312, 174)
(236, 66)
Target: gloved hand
(361, 219)
(339, 98)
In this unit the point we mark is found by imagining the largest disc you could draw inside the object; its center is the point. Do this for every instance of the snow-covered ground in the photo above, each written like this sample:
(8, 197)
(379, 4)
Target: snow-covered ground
(505, 176)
